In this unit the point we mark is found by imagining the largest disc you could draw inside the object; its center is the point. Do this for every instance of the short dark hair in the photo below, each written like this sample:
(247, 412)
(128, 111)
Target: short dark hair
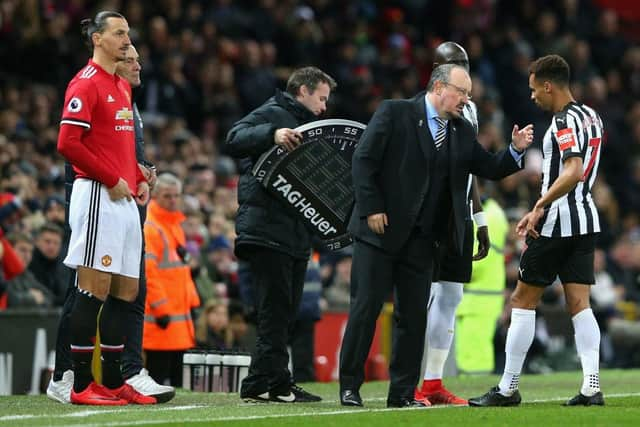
(50, 227)
(309, 77)
(551, 67)
(98, 24)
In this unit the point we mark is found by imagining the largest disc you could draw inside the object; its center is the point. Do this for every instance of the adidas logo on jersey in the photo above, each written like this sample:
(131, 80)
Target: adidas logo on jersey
(110, 98)
(88, 72)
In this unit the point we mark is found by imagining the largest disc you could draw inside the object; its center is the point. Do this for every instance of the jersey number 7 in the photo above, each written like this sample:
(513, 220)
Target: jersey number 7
(594, 143)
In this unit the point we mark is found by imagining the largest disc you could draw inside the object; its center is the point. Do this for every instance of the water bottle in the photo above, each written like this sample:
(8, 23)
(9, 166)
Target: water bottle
(198, 381)
(244, 360)
(228, 369)
(213, 362)
(188, 360)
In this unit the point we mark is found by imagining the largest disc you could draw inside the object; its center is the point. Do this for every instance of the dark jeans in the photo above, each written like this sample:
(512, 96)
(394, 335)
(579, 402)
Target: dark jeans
(132, 354)
(278, 279)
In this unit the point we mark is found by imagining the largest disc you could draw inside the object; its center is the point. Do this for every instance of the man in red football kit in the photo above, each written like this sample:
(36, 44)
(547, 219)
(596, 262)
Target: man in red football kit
(97, 138)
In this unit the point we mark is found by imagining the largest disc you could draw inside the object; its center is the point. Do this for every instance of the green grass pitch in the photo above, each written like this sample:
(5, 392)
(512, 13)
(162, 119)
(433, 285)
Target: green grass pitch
(542, 398)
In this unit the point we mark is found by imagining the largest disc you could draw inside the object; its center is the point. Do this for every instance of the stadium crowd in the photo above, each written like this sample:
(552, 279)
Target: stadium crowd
(205, 64)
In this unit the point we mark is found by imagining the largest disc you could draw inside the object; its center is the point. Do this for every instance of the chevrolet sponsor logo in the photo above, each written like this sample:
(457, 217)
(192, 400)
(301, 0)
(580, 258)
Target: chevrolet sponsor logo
(124, 114)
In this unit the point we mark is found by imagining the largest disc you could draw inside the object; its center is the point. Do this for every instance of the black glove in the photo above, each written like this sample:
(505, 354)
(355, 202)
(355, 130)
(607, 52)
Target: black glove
(163, 321)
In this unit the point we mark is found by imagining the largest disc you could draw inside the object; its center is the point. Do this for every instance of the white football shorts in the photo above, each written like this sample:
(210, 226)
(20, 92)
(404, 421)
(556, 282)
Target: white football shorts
(105, 235)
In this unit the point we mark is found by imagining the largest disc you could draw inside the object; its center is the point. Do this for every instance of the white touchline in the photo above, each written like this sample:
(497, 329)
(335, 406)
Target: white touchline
(88, 412)
(345, 411)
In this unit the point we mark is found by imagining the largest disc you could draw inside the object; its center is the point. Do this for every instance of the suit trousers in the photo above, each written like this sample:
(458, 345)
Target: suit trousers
(132, 354)
(375, 275)
(278, 280)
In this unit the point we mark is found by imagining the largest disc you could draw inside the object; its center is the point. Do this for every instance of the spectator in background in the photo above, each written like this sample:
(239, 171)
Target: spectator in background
(256, 82)
(46, 263)
(53, 210)
(606, 298)
(10, 205)
(244, 334)
(25, 290)
(338, 291)
(212, 326)
(10, 266)
(171, 294)
(222, 267)
(200, 276)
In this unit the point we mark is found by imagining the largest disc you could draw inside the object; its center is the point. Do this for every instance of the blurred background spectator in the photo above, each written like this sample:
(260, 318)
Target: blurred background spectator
(25, 290)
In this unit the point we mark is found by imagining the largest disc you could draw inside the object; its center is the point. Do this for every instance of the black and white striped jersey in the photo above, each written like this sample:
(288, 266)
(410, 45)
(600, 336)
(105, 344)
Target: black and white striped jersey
(575, 131)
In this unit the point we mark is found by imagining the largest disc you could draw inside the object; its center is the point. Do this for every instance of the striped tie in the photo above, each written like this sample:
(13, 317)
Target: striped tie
(441, 133)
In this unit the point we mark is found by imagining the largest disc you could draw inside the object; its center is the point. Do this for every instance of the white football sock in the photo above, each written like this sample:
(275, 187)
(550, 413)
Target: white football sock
(587, 335)
(444, 299)
(519, 339)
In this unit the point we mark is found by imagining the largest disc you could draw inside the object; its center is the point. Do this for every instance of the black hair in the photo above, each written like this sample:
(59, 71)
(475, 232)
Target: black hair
(552, 68)
(98, 24)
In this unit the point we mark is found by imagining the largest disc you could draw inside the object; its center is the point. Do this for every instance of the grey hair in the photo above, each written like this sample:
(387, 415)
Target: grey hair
(165, 180)
(441, 73)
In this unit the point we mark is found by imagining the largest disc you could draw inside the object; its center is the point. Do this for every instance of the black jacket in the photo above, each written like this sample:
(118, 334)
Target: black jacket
(391, 171)
(262, 220)
(52, 273)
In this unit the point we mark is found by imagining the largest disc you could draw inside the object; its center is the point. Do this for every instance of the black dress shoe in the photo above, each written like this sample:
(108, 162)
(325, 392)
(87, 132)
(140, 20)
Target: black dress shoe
(581, 399)
(494, 398)
(350, 398)
(405, 403)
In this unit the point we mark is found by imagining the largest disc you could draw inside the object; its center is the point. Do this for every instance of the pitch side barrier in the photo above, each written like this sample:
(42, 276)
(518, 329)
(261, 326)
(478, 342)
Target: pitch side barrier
(27, 348)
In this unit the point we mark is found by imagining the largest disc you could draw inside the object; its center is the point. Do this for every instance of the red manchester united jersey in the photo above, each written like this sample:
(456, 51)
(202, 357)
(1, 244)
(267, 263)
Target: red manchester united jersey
(100, 103)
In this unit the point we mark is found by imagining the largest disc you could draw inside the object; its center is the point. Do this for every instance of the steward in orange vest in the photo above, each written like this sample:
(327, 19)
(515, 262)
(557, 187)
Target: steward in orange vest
(171, 293)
